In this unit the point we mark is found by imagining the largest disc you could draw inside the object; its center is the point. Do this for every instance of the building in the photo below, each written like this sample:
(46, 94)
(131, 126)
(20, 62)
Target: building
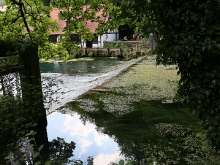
(3, 8)
(96, 42)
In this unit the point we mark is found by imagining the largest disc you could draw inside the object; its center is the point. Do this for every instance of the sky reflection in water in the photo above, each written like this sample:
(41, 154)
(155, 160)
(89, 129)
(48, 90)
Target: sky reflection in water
(88, 141)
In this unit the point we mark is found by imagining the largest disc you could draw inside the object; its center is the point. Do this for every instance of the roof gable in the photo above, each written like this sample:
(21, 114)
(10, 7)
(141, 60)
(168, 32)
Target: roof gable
(89, 24)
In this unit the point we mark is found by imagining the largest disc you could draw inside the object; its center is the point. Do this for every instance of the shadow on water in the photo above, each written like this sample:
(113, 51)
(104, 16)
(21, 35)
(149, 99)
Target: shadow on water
(18, 143)
(139, 133)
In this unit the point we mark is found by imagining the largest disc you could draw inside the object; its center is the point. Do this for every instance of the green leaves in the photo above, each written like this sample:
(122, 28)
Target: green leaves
(192, 49)
(187, 34)
(122, 162)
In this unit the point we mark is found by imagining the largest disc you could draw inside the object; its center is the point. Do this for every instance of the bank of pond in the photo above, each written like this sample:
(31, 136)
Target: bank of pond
(83, 53)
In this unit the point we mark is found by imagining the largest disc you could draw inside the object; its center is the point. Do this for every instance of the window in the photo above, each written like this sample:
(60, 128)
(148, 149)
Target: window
(53, 38)
(95, 40)
(76, 38)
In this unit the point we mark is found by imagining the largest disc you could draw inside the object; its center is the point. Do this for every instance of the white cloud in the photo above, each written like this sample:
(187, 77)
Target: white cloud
(86, 136)
(84, 144)
(100, 138)
(74, 126)
(104, 159)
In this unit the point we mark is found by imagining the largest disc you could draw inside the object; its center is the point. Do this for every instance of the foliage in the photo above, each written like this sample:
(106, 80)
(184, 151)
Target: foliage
(17, 139)
(187, 35)
(126, 55)
(180, 145)
(61, 152)
(189, 38)
(144, 43)
(117, 44)
(132, 11)
(28, 20)
(62, 49)
(122, 162)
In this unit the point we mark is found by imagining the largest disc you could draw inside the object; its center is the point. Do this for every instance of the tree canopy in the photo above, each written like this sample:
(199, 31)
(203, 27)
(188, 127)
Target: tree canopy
(187, 35)
(30, 21)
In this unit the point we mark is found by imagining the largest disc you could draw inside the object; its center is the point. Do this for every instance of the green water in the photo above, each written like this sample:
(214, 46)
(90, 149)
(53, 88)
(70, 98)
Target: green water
(145, 130)
(80, 67)
(151, 128)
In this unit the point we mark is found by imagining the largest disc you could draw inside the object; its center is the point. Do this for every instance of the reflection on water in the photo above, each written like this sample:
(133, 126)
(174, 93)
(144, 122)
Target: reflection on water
(138, 132)
(89, 142)
(108, 126)
(77, 77)
(105, 128)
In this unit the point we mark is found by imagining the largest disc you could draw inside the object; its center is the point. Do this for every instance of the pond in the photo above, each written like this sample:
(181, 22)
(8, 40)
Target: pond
(105, 125)
(72, 79)
(101, 132)
(82, 66)
(78, 77)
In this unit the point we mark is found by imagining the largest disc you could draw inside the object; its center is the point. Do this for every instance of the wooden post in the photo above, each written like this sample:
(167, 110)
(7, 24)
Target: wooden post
(32, 95)
(95, 51)
(108, 52)
(120, 52)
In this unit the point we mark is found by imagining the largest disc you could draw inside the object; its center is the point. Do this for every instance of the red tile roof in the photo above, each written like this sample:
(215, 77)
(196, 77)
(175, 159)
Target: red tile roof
(62, 23)
(54, 16)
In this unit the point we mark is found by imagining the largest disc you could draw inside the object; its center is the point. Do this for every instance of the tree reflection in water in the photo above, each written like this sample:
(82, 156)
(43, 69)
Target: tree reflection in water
(18, 140)
(151, 132)
(60, 151)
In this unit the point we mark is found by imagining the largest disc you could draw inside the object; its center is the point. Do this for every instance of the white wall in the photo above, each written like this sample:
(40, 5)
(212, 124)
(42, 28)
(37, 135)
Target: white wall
(112, 36)
(106, 37)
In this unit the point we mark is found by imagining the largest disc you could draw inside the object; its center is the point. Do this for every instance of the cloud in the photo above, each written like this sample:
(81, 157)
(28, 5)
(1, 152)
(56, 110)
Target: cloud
(89, 141)
(100, 139)
(84, 144)
(102, 159)
(74, 126)
(83, 133)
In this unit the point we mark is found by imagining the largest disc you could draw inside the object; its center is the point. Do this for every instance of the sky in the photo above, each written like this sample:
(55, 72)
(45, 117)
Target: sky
(88, 141)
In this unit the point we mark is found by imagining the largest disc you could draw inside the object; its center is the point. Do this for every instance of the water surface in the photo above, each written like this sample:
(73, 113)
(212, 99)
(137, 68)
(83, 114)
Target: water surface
(81, 67)
(94, 124)
(73, 79)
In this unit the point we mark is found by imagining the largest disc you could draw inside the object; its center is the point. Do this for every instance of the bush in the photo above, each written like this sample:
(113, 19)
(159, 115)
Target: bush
(117, 44)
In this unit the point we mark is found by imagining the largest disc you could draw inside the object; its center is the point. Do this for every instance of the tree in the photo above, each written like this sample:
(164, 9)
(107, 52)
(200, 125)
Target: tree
(187, 33)
(30, 21)
(27, 23)
(189, 37)
(27, 20)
